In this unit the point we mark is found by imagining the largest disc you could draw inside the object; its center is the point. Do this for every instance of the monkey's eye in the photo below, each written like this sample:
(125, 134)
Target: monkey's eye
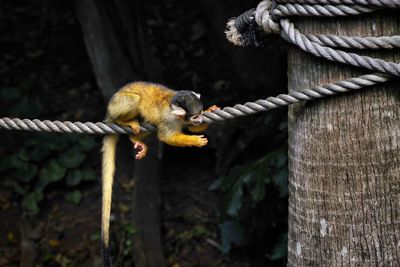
(196, 117)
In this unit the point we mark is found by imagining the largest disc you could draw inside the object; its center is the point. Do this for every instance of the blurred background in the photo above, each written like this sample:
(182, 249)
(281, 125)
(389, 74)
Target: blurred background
(223, 205)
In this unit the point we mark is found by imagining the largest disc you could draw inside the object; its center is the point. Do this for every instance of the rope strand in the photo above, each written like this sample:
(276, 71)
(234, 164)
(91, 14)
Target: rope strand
(227, 113)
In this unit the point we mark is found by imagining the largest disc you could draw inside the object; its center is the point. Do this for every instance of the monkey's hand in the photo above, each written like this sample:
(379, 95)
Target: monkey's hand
(204, 126)
(199, 140)
(180, 139)
(142, 149)
(212, 108)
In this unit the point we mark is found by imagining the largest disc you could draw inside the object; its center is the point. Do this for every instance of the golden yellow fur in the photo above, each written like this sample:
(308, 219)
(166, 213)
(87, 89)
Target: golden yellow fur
(108, 169)
(151, 102)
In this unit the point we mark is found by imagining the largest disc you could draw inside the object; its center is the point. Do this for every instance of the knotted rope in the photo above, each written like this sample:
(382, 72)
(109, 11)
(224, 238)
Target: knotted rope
(272, 19)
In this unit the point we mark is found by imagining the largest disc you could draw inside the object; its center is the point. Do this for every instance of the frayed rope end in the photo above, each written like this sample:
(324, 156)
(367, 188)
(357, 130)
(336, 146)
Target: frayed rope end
(232, 33)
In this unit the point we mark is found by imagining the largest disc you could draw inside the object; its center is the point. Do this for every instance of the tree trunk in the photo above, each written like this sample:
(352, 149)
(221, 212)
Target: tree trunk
(111, 67)
(344, 157)
(120, 53)
(146, 214)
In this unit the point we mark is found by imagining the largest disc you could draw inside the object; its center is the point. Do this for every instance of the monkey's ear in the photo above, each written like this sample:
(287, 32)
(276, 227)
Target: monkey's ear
(178, 111)
(197, 94)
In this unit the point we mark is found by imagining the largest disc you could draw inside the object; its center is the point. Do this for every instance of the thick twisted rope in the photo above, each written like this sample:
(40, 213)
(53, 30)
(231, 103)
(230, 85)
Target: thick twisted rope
(320, 10)
(371, 3)
(209, 117)
(355, 42)
(273, 19)
(294, 36)
(268, 18)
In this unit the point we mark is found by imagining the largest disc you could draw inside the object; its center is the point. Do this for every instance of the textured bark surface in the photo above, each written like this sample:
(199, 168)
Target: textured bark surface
(111, 67)
(146, 214)
(344, 158)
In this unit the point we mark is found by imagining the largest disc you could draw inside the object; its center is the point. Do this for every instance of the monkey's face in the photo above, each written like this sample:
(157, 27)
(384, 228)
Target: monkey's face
(186, 105)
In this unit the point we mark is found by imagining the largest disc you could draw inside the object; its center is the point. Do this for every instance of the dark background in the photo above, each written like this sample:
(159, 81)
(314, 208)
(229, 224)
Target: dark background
(223, 205)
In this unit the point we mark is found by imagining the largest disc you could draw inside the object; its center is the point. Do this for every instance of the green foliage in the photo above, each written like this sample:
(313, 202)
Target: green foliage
(255, 176)
(280, 250)
(30, 201)
(124, 236)
(51, 172)
(130, 229)
(75, 177)
(74, 197)
(44, 160)
(196, 231)
(72, 157)
(246, 186)
(232, 232)
(18, 101)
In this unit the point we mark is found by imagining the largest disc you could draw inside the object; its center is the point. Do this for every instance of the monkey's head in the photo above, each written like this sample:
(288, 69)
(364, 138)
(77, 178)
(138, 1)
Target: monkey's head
(187, 106)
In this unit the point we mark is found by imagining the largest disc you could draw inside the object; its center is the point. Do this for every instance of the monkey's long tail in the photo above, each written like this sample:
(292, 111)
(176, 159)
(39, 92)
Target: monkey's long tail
(108, 169)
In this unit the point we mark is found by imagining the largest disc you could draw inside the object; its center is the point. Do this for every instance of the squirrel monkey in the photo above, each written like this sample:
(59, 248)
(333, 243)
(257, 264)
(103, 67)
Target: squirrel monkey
(169, 110)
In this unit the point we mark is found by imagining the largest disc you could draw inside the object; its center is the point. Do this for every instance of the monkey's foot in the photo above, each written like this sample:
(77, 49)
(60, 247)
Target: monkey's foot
(142, 149)
(135, 127)
(213, 108)
(133, 124)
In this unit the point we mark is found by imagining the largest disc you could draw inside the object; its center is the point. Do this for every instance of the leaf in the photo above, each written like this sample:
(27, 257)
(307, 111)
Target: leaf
(72, 158)
(232, 232)
(283, 125)
(215, 185)
(26, 172)
(51, 172)
(280, 250)
(235, 202)
(130, 228)
(6, 162)
(199, 230)
(77, 176)
(95, 237)
(86, 143)
(281, 159)
(23, 154)
(16, 161)
(262, 177)
(39, 152)
(30, 202)
(281, 181)
(248, 176)
(74, 177)
(17, 187)
(258, 192)
(74, 197)
(88, 175)
(54, 142)
(229, 181)
(25, 107)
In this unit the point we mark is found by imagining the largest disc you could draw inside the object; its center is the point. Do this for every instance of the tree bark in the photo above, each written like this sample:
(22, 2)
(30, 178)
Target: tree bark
(119, 50)
(111, 66)
(344, 157)
(146, 214)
